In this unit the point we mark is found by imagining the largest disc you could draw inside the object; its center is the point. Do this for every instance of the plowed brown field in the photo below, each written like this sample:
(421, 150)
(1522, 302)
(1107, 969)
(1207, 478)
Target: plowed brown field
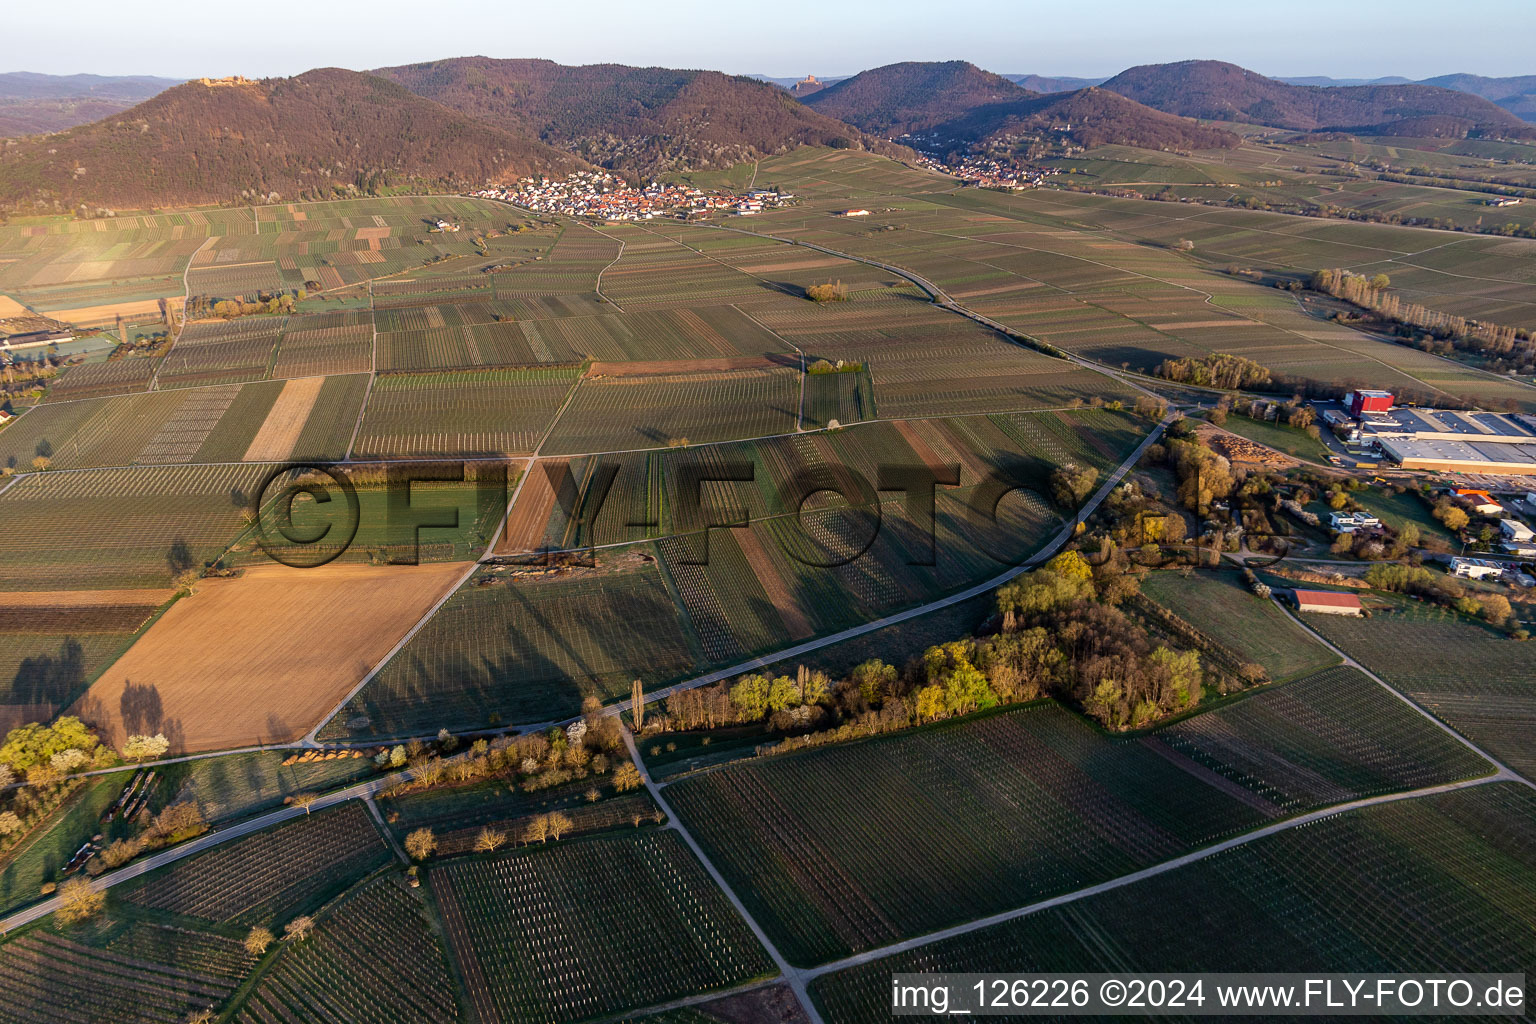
(262, 657)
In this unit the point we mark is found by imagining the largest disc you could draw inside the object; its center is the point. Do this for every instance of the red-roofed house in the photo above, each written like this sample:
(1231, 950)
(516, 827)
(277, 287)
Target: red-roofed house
(1327, 602)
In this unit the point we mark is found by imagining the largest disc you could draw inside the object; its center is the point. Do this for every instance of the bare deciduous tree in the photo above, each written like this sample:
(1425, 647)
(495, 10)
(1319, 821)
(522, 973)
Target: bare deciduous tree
(420, 844)
(559, 824)
(79, 900)
(489, 840)
(258, 940)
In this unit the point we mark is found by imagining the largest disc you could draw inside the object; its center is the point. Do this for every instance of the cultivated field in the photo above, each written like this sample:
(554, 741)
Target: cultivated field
(491, 412)
(269, 876)
(127, 528)
(1436, 884)
(516, 651)
(263, 657)
(1329, 738)
(1476, 680)
(144, 974)
(1102, 276)
(989, 813)
(375, 956)
(589, 928)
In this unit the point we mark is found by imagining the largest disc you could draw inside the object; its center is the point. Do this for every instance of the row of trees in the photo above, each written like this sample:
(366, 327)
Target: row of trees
(590, 747)
(1492, 340)
(1441, 589)
(201, 306)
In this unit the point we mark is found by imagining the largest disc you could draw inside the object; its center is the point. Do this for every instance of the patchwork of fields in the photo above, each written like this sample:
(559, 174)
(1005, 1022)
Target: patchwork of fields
(702, 467)
(1103, 277)
(668, 597)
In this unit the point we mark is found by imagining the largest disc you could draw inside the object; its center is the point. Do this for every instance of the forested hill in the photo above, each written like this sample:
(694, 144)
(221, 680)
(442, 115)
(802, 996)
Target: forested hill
(643, 120)
(1088, 117)
(1225, 92)
(311, 136)
(913, 96)
(954, 105)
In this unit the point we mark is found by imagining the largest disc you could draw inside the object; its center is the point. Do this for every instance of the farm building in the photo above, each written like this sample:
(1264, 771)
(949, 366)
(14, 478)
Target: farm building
(1327, 602)
(1361, 402)
(1476, 568)
(1513, 529)
(855, 213)
(21, 332)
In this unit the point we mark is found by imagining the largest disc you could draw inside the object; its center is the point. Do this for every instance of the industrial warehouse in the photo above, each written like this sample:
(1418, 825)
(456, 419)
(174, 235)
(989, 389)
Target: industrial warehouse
(1441, 439)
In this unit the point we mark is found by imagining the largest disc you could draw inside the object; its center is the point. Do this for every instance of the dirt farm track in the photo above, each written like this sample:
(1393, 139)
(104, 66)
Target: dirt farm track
(260, 658)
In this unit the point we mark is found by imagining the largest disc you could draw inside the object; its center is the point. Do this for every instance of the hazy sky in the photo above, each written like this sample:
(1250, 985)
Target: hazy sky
(183, 38)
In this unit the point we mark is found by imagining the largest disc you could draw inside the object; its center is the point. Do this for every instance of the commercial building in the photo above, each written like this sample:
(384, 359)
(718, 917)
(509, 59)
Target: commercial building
(1514, 530)
(1358, 403)
(28, 332)
(1454, 442)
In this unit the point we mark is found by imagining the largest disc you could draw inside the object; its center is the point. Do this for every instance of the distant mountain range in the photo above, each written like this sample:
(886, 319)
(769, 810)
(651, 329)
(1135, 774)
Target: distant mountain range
(1516, 94)
(955, 105)
(1225, 92)
(464, 121)
(32, 103)
(642, 120)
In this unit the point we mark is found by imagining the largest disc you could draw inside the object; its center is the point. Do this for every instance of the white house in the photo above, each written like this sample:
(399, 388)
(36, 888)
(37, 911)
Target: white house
(1475, 568)
(1349, 522)
(1514, 530)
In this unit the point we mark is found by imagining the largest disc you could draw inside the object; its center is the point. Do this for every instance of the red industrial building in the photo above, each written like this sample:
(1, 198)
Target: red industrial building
(1361, 402)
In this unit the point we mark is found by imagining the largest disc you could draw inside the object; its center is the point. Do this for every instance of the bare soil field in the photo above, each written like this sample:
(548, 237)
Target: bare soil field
(666, 367)
(80, 611)
(285, 422)
(91, 315)
(530, 513)
(82, 598)
(262, 657)
(10, 307)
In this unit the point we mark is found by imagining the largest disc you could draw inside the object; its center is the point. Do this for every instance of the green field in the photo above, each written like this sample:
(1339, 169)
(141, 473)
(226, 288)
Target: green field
(236, 785)
(1396, 510)
(1283, 439)
(40, 856)
(989, 813)
(1220, 606)
(1435, 884)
